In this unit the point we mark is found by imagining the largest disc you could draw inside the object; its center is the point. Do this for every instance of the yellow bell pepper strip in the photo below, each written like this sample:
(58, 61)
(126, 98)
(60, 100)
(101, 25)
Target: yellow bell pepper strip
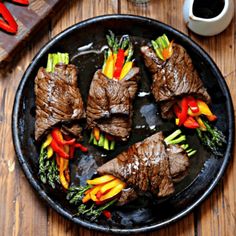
(48, 141)
(94, 192)
(110, 185)
(63, 180)
(49, 152)
(58, 137)
(101, 180)
(177, 121)
(201, 123)
(204, 109)
(64, 165)
(128, 63)
(113, 192)
(96, 133)
(126, 68)
(109, 67)
(191, 123)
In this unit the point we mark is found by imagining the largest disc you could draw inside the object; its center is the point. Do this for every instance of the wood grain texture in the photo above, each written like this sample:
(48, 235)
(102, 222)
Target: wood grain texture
(23, 213)
(28, 19)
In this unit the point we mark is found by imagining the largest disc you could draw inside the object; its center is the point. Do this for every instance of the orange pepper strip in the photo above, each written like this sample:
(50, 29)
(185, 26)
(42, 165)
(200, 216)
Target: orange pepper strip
(110, 185)
(86, 198)
(212, 118)
(101, 180)
(96, 133)
(64, 167)
(94, 192)
(113, 192)
(204, 109)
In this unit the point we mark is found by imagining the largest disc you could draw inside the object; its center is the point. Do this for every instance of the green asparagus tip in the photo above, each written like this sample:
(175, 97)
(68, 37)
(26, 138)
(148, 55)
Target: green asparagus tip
(91, 137)
(169, 138)
(106, 144)
(112, 146)
(192, 153)
(101, 140)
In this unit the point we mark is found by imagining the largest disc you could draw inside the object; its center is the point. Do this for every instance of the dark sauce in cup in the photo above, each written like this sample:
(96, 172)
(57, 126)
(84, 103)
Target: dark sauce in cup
(208, 8)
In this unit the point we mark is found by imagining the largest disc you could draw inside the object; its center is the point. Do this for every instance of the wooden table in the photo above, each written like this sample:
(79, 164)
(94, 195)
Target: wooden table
(23, 213)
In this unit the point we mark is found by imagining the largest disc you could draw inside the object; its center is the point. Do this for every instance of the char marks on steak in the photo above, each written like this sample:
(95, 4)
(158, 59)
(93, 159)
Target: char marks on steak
(173, 78)
(149, 165)
(109, 104)
(58, 98)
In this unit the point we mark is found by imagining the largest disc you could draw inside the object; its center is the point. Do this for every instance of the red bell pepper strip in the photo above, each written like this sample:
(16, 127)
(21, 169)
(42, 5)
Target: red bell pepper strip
(192, 103)
(8, 23)
(191, 123)
(182, 112)
(81, 147)
(99, 194)
(119, 63)
(57, 136)
(59, 150)
(107, 214)
(22, 2)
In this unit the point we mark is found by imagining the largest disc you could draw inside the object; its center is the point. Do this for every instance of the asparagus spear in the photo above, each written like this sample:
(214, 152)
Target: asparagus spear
(48, 171)
(174, 138)
(75, 194)
(56, 58)
(212, 138)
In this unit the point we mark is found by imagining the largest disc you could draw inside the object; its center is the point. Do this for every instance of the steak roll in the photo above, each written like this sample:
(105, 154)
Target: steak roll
(173, 77)
(109, 104)
(148, 166)
(58, 99)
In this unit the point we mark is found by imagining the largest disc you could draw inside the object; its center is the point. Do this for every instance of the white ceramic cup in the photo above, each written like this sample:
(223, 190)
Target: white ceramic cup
(208, 26)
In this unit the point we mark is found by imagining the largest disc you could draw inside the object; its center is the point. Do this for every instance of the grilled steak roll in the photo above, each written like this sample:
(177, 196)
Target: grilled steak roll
(58, 98)
(109, 104)
(148, 166)
(173, 78)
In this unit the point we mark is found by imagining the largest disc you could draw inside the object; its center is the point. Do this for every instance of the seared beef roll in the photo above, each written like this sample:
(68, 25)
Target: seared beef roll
(173, 76)
(111, 94)
(58, 98)
(109, 104)
(148, 166)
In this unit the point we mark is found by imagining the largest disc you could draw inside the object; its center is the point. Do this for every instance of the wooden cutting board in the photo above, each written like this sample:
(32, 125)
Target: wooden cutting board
(29, 19)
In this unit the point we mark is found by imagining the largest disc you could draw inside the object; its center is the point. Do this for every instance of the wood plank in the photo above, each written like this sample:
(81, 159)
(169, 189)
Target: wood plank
(217, 214)
(21, 212)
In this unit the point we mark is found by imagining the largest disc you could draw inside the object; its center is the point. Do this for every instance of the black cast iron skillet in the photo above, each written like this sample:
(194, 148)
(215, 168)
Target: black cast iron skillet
(144, 214)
